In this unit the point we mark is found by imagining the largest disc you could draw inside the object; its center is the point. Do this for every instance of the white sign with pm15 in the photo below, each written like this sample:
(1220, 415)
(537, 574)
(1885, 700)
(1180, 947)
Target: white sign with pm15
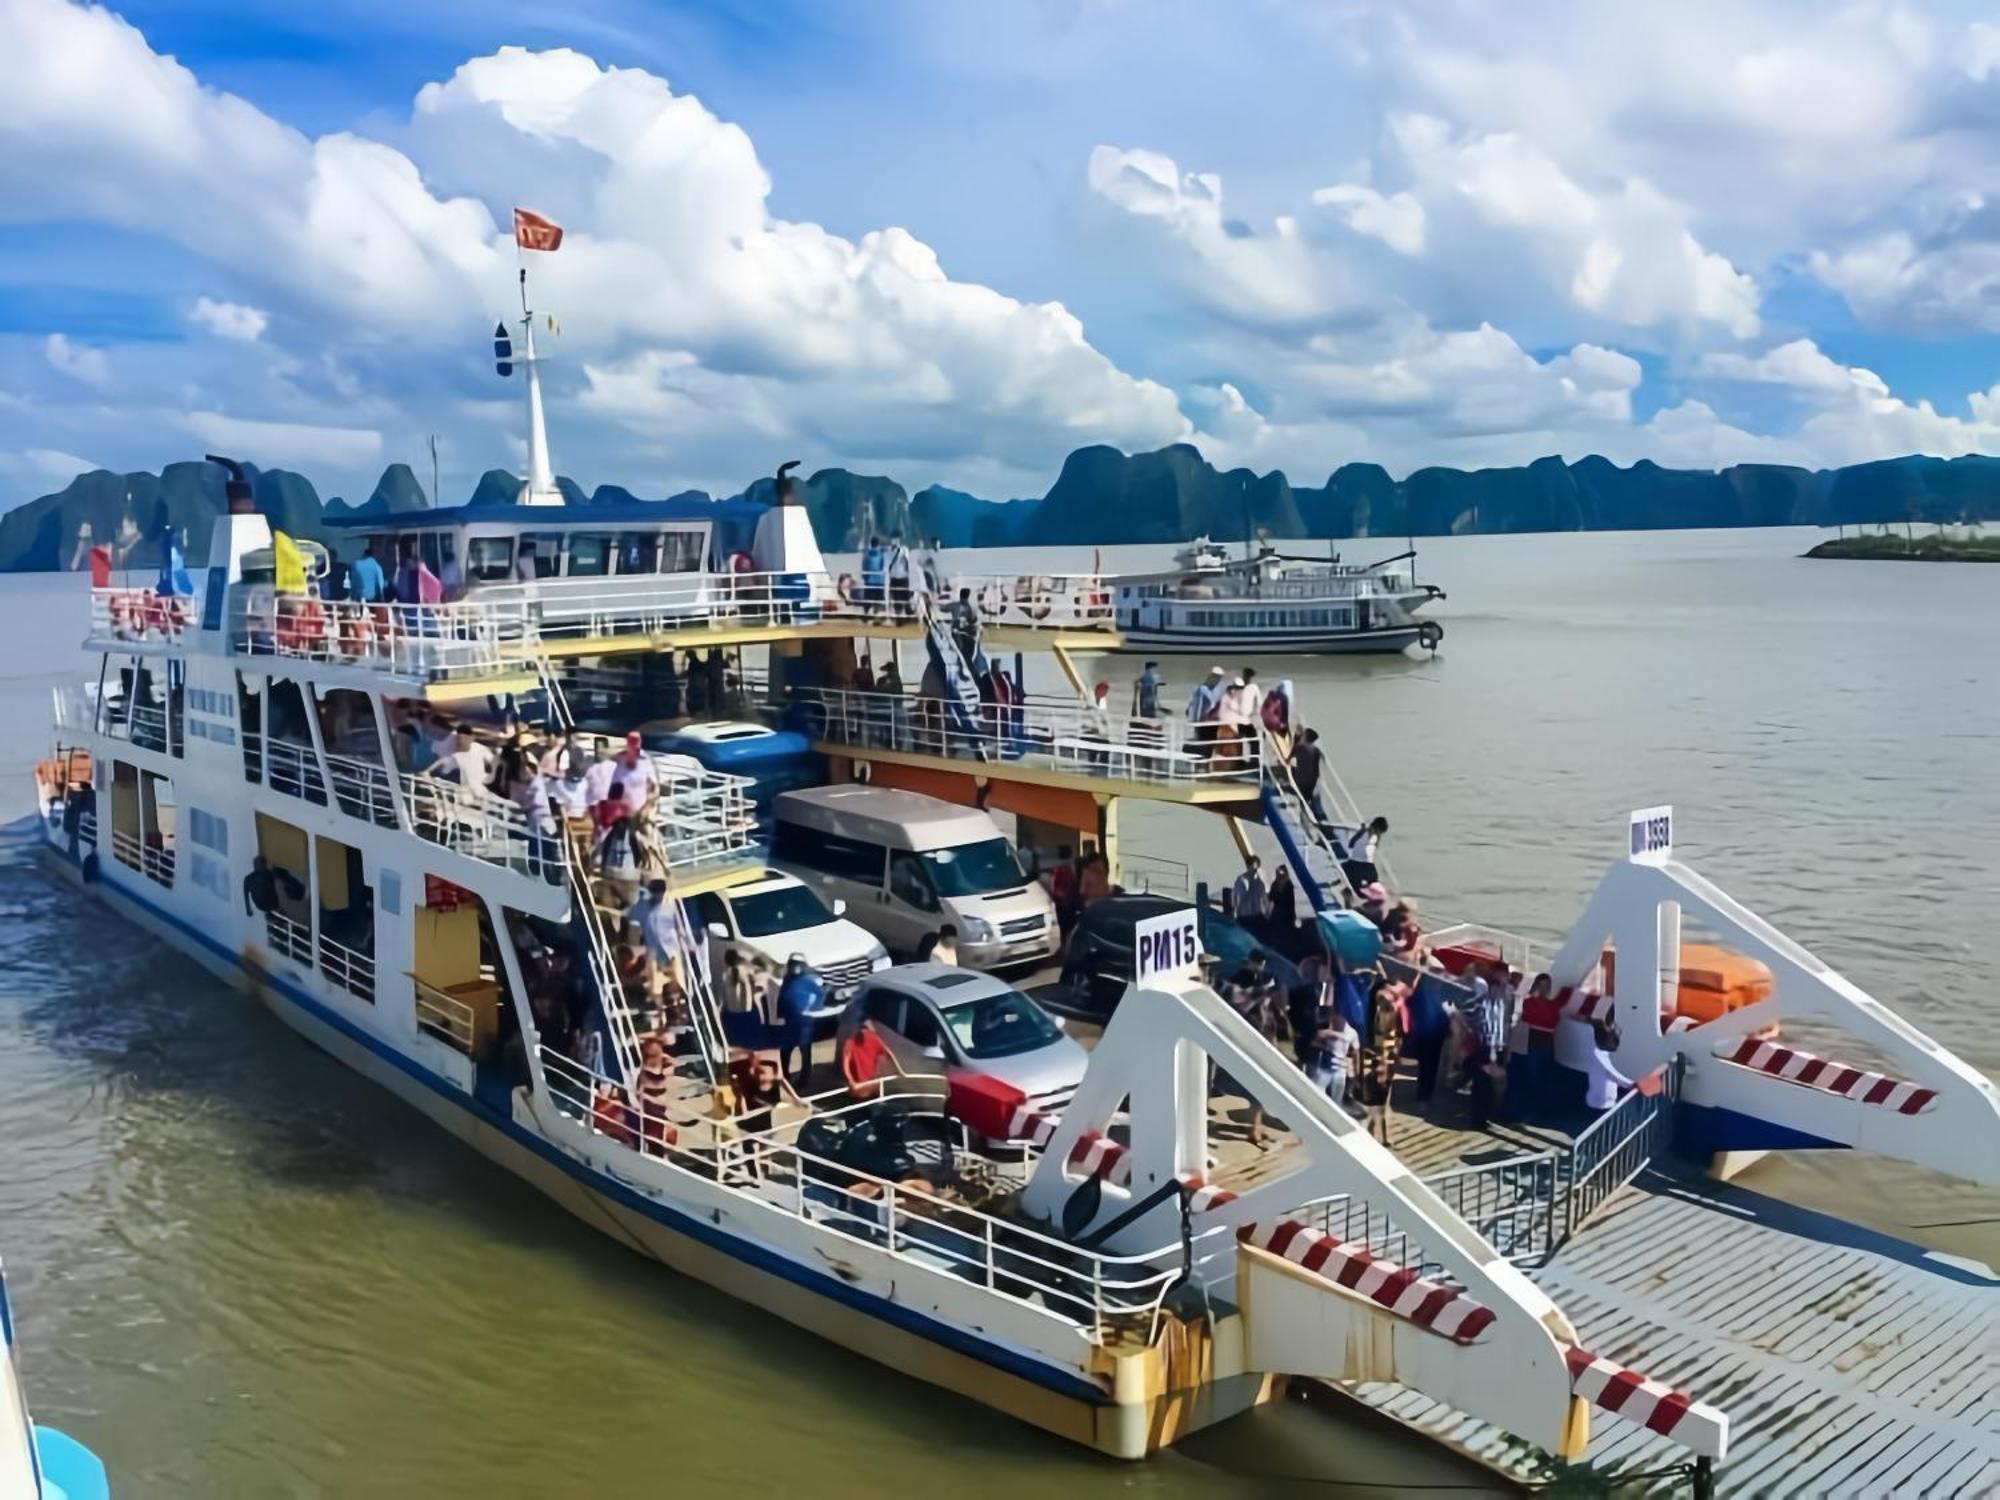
(1652, 835)
(1167, 947)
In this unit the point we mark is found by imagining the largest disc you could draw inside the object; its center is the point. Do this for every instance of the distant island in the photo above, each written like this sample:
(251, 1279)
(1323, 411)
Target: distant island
(1886, 546)
(1102, 497)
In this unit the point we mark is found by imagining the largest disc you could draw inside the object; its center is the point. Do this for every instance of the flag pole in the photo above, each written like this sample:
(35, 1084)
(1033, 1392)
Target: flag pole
(540, 486)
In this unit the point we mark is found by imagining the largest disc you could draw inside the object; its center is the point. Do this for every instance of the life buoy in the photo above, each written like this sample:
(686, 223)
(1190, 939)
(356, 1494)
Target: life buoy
(1040, 602)
(993, 600)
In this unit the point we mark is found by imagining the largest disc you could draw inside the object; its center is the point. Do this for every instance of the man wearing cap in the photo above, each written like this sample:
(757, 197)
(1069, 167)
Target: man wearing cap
(800, 995)
(637, 773)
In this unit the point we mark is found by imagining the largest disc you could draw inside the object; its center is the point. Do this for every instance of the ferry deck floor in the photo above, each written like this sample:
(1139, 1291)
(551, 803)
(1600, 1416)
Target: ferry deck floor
(1851, 1363)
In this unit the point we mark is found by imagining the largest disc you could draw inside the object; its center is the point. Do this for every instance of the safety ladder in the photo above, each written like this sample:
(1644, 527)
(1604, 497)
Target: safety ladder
(1308, 846)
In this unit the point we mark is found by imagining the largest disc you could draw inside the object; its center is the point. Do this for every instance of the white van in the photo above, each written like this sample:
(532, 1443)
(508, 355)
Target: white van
(907, 864)
(778, 915)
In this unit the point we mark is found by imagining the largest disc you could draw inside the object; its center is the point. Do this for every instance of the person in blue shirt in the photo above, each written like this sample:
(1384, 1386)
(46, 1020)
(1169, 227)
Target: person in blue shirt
(364, 580)
(799, 995)
(874, 571)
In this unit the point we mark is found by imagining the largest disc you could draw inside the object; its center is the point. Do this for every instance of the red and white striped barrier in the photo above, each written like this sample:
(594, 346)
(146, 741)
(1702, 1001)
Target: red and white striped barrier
(1096, 1155)
(1429, 1304)
(1696, 1426)
(1858, 1084)
(1202, 1196)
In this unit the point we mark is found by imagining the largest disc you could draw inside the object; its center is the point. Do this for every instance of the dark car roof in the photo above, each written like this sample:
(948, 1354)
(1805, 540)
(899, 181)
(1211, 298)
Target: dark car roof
(1128, 909)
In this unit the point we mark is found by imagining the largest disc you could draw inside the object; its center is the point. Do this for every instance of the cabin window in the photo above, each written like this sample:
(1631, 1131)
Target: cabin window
(589, 554)
(545, 551)
(490, 559)
(637, 551)
(681, 552)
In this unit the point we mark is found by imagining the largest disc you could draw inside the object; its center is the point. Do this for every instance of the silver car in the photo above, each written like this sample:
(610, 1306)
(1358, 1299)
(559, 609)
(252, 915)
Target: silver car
(938, 1016)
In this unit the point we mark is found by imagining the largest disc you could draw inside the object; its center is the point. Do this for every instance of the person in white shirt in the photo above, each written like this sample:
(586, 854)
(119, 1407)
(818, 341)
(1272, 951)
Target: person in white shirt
(1206, 698)
(1249, 898)
(468, 762)
(1358, 860)
(601, 774)
(899, 579)
(1602, 1081)
(1240, 702)
(637, 772)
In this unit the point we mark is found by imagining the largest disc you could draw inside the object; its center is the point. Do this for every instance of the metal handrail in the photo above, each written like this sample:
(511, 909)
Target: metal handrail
(444, 1015)
(1095, 1293)
(470, 820)
(1064, 734)
(126, 616)
(290, 937)
(363, 789)
(285, 766)
(659, 603)
(157, 862)
(126, 848)
(349, 968)
(424, 641)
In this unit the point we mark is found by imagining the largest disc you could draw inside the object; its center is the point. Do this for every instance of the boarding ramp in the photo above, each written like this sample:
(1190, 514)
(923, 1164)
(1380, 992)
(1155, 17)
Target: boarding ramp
(961, 673)
(1923, 1105)
(1309, 837)
(1460, 1324)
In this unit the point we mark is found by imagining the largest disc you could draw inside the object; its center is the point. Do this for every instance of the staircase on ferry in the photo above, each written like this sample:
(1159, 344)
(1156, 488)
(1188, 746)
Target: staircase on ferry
(1309, 846)
(599, 928)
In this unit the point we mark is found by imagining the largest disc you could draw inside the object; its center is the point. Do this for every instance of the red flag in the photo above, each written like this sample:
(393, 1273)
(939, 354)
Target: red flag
(533, 232)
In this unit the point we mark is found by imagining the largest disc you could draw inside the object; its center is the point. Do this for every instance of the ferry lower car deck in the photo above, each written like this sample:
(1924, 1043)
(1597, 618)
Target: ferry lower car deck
(1106, 1272)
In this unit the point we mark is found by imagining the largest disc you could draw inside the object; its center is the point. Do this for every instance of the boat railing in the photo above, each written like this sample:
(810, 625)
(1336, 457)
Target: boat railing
(701, 817)
(287, 766)
(1061, 734)
(364, 789)
(664, 603)
(351, 969)
(156, 861)
(472, 821)
(290, 937)
(86, 829)
(127, 849)
(1102, 1296)
(444, 1016)
(471, 638)
(138, 616)
(148, 726)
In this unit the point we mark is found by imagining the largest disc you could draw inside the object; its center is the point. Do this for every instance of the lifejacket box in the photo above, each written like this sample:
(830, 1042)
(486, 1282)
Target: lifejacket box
(1713, 981)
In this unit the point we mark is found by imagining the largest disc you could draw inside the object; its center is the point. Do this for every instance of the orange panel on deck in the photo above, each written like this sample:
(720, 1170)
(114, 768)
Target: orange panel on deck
(950, 786)
(1051, 804)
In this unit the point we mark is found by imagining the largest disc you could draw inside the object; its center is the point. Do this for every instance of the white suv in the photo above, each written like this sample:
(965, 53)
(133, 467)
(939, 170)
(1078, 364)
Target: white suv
(778, 915)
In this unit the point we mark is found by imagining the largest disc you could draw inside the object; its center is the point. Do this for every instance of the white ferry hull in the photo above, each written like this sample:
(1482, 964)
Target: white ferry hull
(1135, 640)
(804, 1283)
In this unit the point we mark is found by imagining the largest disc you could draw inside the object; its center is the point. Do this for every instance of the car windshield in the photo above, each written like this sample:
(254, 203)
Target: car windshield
(1002, 1025)
(974, 869)
(783, 908)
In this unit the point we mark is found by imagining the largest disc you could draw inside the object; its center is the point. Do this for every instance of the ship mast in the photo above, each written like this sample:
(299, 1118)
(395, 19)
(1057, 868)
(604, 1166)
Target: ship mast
(539, 488)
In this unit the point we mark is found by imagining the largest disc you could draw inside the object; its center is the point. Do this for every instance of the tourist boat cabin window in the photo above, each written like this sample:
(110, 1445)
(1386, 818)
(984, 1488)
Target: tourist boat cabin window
(681, 551)
(638, 551)
(589, 554)
(546, 549)
(489, 559)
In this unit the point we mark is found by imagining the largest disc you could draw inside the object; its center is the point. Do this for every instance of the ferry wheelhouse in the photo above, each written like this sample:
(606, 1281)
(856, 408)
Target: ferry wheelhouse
(1269, 604)
(239, 777)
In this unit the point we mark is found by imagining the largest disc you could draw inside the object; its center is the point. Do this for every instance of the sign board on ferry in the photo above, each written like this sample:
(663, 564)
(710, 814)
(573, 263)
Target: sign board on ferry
(1167, 947)
(1652, 836)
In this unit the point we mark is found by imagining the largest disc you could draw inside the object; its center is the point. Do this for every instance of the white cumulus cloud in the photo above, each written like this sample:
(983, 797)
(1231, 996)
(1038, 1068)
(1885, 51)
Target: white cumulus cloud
(230, 320)
(77, 361)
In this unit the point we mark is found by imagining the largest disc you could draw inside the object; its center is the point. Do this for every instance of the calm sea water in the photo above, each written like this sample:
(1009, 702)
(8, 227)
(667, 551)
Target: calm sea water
(241, 1270)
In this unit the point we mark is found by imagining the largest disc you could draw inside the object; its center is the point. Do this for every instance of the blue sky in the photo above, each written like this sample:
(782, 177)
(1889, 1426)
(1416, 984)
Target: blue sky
(952, 241)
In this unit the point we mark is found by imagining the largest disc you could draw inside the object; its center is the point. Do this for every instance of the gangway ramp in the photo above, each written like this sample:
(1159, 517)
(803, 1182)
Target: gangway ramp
(1851, 1363)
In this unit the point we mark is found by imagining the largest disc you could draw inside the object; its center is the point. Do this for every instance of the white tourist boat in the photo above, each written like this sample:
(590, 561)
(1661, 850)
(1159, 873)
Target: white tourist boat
(1270, 604)
(233, 778)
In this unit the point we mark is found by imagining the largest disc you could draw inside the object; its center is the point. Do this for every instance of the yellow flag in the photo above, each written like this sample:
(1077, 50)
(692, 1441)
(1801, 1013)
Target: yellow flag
(290, 564)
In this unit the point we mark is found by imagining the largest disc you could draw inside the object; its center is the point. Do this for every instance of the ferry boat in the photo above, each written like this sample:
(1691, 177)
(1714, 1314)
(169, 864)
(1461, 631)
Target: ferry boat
(241, 777)
(1267, 603)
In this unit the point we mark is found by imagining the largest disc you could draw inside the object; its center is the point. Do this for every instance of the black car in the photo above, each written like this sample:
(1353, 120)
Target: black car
(1098, 966)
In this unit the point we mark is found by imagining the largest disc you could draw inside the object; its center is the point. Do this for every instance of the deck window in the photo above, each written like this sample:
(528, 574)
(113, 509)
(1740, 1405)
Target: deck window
(638, 551)
(589, 554)
(681, 552)
(490, 559)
